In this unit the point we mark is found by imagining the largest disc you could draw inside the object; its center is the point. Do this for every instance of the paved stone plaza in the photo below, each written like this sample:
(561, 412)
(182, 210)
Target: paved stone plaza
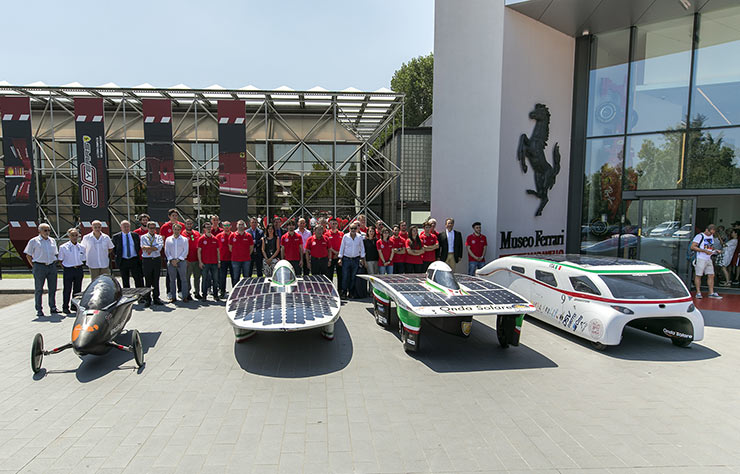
(297, 403)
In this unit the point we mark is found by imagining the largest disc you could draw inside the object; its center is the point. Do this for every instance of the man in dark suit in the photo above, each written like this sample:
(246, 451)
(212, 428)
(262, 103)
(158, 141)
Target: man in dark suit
(450, 244)
(127, 250)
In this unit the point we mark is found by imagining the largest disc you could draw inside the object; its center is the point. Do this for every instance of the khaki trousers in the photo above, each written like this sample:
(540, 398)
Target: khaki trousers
(451, 261)
(96, 272)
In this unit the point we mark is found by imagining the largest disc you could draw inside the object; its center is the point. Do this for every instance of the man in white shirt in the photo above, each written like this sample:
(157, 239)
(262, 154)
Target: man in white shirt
(72, 257)
(151, 262)
(305, 234)
(41, 252)
(703, 245)
(176, 250)
(97, 251)
(351, 256)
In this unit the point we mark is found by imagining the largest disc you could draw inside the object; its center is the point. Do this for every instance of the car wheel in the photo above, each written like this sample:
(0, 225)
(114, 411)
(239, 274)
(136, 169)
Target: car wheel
(501, 333)
(37, 353)
(137, 348)
(681, 342)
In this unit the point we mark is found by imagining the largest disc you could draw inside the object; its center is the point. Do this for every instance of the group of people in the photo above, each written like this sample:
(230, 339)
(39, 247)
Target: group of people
(221, 250)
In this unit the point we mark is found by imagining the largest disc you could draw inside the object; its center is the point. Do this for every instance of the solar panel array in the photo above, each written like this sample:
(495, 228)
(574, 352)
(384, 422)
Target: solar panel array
(588, 260)
(255, 300)
(482, 292)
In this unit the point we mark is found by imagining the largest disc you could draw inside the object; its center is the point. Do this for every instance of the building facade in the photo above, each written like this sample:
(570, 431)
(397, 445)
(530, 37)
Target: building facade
(233, 153)
(634, 146)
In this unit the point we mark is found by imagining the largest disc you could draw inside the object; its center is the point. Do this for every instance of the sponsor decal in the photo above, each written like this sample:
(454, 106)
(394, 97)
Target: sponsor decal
(465, 327)
(672, 333)
(595, 328)
(88, 176)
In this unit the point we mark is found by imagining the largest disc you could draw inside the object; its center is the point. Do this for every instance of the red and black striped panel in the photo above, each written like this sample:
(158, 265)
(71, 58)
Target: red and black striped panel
(232, 159)
(92, 161)
(20, 180)
(160, 162)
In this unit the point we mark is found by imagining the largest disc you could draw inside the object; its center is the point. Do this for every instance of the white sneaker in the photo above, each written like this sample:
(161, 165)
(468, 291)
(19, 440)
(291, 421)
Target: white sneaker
(698, 296)
(715, 296)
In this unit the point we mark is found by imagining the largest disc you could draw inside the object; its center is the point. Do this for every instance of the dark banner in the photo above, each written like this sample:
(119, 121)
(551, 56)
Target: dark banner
(92, 162)
(20, 183)
(160, 162)
(232, 159)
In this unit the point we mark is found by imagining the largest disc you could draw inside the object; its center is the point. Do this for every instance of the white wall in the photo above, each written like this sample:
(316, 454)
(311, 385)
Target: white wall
(468, 54)
(491, 65)
(537, 68)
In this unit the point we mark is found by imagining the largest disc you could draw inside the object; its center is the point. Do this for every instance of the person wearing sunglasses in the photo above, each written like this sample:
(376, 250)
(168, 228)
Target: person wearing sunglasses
(41, 253)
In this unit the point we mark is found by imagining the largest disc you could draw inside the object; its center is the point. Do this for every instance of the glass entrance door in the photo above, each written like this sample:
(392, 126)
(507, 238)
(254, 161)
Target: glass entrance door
(665, 233)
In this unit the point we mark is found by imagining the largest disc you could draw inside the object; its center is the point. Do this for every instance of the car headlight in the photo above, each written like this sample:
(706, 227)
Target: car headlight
(622, 309)
(691, 308)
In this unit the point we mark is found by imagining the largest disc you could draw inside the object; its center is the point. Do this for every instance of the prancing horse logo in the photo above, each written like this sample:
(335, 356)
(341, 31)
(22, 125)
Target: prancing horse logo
(533, 147)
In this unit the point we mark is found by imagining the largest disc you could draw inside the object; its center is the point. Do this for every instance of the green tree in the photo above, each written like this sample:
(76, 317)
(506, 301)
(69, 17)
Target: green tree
(415, 79)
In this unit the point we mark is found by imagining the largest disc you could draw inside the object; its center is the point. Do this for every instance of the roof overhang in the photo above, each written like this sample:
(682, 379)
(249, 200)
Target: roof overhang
(578, 17)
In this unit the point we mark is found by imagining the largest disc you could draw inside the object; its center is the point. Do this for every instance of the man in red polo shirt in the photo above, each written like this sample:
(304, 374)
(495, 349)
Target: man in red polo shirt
(208, 258)
(477, 244)
(402, 230)
(430, 243)
(216, 226)
(143, 222)
(334, 235)
(166, 231)
(241, 245)
(225, 257)
(292, 247)
(193, 269)
(317, 249)
(398, 243)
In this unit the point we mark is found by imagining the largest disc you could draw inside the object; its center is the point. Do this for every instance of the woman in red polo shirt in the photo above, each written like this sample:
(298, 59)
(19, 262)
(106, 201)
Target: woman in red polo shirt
(414, 251)
(385, 253)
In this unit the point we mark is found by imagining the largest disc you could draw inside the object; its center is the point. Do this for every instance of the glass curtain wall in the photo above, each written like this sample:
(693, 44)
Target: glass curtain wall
(663, 115)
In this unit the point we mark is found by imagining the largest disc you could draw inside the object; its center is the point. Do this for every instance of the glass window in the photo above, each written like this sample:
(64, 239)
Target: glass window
(546, 277)
(283, 276)
(602, 194)
(654, 161)
(102, 292)
(583, 284)
(715, 100)
(446, 279)
(518, 269)
(608, 83)
(648, 286)
(659, 78)
(713, 159)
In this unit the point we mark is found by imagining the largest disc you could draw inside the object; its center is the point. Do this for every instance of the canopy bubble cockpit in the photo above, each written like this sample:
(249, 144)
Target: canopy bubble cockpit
(441, 274)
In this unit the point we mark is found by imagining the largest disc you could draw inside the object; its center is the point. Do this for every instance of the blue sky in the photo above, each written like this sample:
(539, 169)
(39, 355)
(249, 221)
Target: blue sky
(300, 44)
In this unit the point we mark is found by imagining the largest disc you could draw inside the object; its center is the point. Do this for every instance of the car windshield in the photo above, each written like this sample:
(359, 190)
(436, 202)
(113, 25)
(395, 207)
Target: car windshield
(101, 293)
(446, 279)
(648, 286)
(283, 275)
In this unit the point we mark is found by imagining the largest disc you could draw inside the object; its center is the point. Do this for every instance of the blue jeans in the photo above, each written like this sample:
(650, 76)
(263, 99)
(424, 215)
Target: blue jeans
(45, 273)
(385, 270)
(241, 269)
(210, 279)
(349, 272)
(473, 266)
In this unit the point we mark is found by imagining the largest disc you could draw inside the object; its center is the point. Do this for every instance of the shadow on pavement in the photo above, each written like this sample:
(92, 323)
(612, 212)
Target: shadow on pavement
(93, 367)
(295, 354)
(637, 345)
(721, 319)
(481, 351)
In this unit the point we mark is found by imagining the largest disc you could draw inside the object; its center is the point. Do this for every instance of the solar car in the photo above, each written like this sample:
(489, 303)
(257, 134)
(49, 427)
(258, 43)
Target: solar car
(447, 301)
(596, 297)
(103, 310)
(283, 302)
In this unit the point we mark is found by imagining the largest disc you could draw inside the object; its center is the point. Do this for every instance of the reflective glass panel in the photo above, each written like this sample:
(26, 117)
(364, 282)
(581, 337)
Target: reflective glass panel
(654, 161)
(608, 83)
(659, 80)
(716, 95)
(602, 194)
(713, 159)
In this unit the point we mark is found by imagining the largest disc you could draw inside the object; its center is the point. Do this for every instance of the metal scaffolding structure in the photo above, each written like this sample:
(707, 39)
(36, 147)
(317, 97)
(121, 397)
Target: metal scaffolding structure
(307, 151)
